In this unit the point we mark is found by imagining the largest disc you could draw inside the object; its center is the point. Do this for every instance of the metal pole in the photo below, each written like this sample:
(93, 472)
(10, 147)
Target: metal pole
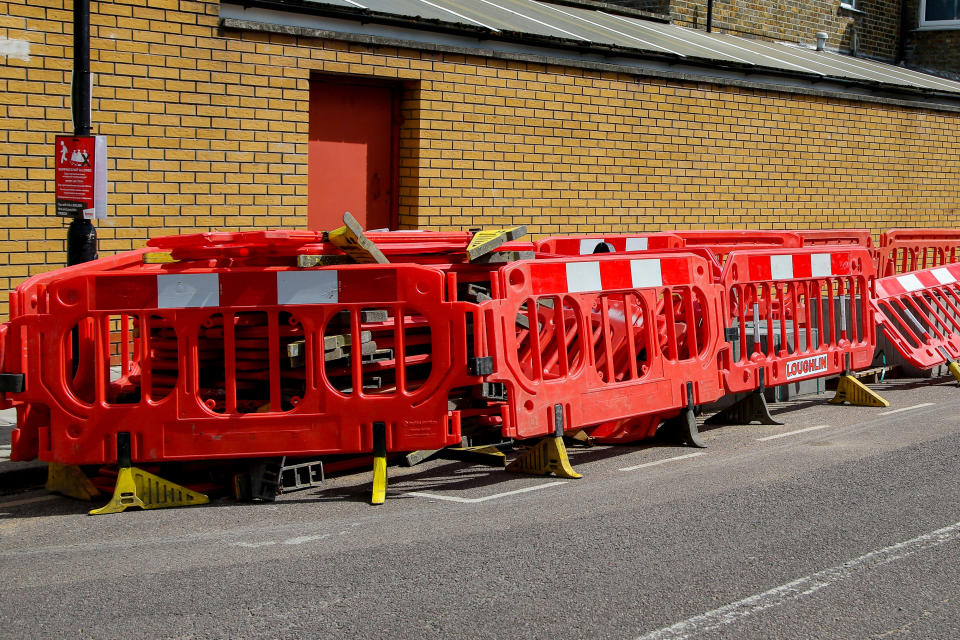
(82, 235)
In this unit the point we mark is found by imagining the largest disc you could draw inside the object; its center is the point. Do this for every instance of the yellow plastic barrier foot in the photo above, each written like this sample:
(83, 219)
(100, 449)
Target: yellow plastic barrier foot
(69, 480)
(547, 456)
(581, 438)
(352, 241)
(487, 455)
(852, 391)
(954, 368)
(483, 242)
(158, 257)
(379, 463)
(139, 488)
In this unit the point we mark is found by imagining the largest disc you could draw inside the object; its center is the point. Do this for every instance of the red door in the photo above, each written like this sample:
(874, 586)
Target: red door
(350, 161)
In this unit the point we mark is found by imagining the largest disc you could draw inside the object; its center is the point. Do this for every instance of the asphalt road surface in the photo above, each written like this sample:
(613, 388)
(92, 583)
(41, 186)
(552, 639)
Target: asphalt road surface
(842, 523)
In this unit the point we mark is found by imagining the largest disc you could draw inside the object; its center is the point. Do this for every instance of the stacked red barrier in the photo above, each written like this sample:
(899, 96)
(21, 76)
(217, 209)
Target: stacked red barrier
(233, 350)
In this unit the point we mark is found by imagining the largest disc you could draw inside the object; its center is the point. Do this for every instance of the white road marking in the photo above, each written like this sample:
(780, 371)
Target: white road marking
(17, 503)
(728, 614)
(916, 406)
(656, 462)
(433, 496)
(297, 540)
(793, 433)
(302, 539)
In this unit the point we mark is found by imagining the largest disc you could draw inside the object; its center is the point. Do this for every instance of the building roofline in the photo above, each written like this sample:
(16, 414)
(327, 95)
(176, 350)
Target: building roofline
(549, 50)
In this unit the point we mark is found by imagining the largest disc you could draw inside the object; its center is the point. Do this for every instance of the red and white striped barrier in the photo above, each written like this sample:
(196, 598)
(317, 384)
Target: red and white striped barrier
(247, 287)
(587, 245)
(910, 282)
(791, 266)
(800, 313)
(919, 313)
(580, 276)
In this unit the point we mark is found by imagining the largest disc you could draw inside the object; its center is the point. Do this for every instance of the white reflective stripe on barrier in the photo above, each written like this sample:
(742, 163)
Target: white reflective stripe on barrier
(781, 267)
(646, 273)
(583, 276)
(943, 276)
(820, 265)
(188, 290)
(307, 287)
(589, 245)
(637, 244)
(910, 282)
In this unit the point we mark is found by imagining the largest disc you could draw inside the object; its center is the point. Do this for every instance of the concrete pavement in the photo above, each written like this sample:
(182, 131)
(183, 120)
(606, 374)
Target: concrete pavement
(847, 524)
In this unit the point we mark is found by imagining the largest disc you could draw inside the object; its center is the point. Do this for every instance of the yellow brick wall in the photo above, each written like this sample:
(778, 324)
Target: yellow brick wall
(208, 130)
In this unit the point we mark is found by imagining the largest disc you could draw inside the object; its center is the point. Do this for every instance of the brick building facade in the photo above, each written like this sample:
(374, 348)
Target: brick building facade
(892, 30)
(933, 45)
(876, 30)
(209, 128)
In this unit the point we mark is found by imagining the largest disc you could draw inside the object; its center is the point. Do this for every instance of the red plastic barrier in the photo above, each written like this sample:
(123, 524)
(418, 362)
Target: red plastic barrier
(266, 247)
(906, 250)
(606, 338)
(722, 241)
(616, 243)
(205, 367)
(919, 312)
(798, 313)
(822, 237)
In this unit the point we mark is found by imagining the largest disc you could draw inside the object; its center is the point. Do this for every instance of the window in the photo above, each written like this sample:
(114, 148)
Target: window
(850, 5)
(940, 13)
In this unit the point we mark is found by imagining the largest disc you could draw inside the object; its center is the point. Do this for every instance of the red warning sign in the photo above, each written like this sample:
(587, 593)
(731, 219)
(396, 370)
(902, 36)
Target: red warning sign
(81, 176)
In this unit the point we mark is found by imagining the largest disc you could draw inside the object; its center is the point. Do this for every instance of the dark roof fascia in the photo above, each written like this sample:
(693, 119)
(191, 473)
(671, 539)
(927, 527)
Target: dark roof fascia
(362, 16)
(615, 8)
(343, 11)
(899, 94)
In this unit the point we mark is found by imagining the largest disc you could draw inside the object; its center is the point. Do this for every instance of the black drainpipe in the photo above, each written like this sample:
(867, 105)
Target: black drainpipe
(81, 235)
(709, 16)
(902, 43)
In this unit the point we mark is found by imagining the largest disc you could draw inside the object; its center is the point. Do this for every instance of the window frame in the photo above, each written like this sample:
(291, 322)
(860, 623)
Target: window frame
(935, 24)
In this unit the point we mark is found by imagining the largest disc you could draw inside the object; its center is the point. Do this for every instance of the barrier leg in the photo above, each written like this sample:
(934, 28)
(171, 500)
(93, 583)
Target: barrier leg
(952, 365)
(752, 408)
(684, 426)
(954, 368)
(138, 488)
(379, 463)
(69, 480)
(548, 455)
(854, 392)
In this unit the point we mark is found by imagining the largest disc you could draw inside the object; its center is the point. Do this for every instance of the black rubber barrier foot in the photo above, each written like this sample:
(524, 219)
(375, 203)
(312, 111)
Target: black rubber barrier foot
(747, 410)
